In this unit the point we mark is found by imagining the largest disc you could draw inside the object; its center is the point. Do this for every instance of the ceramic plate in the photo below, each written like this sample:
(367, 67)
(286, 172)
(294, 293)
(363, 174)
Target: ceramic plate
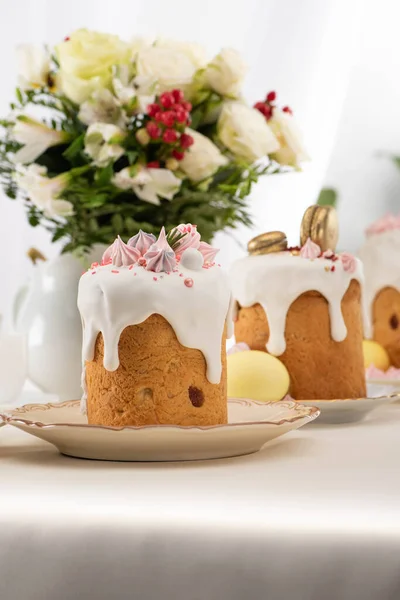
(394, 384)
(354, 409)
(250, 426)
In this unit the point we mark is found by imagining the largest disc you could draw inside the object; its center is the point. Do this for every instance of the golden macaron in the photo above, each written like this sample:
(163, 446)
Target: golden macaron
(320, 224)
(265, 243)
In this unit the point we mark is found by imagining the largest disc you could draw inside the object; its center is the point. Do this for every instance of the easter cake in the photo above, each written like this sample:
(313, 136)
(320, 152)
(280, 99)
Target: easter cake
(155, 319)
(304, 305)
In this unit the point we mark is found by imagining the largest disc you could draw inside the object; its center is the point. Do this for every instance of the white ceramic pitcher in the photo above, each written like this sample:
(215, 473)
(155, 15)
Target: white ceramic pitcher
(46, 312)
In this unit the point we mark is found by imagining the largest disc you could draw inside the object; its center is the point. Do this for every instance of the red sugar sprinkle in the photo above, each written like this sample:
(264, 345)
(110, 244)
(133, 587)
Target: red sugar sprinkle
(154, 278)
(94, 272)
(180, 274)
(333, 267)
(131, 267)
(114, 271)
(142, 261)
(188, 282)
(135, 273)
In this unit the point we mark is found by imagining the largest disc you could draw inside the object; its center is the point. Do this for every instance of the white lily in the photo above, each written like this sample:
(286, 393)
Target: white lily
(33, 65)
(149, 184)
(102, 143)
(101, 107)
(139, 91)
(43, 191)
(36, 138)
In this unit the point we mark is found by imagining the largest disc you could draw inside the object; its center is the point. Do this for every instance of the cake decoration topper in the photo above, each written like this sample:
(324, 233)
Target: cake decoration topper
(386, 223)
(310, 250)
(320, 223)
(192, 259)
(160, 256)
(120, 254)
(209, 253)
(265, 243)
(349, 262)
(190, 239)
(142, 241)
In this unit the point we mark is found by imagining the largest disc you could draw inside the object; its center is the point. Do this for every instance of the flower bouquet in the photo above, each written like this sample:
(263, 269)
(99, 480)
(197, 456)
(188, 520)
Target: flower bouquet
(108, 137)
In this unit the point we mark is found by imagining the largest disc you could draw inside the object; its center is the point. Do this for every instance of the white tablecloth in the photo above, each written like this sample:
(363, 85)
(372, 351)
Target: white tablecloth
(314, 516)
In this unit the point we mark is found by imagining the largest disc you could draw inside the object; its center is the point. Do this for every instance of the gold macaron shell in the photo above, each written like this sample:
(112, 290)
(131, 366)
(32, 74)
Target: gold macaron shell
(320, 224)
(265, 243)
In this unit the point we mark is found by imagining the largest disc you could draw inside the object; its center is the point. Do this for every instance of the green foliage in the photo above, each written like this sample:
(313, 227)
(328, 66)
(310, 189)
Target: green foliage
(396, 160)
(327, 197)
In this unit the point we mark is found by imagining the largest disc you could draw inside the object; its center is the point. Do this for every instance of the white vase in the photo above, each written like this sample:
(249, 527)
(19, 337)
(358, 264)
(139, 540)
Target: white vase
(46, 312)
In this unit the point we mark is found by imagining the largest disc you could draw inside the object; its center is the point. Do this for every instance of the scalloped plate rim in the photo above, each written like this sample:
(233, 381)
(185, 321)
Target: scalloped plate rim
(11, 417)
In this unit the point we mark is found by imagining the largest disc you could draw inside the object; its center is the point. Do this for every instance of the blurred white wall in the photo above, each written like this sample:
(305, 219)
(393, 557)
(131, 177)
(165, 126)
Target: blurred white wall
(304, 49)
(369, 185)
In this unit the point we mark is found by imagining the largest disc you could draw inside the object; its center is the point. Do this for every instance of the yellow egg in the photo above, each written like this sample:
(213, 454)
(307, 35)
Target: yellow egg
(375, 354)
(257, 375)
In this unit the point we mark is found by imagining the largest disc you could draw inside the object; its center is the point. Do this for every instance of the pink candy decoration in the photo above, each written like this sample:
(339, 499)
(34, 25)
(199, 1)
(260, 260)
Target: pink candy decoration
(349, 262)
(239, 347)
(120, 254)
(328, 254)
(373, 372)
(386, 223)
(142, 241)
(191, 238)
(209, 253)
(310, 250)
(188, 282)
(160, 256)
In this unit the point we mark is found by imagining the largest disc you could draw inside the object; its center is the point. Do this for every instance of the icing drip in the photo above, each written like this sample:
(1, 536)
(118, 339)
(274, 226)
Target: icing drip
(109, 303)
(120, 254)
(276, 280)
(310, 250)
(191, 239)
(142, 241)
(380, 256)
(160, 257)
(209, 253)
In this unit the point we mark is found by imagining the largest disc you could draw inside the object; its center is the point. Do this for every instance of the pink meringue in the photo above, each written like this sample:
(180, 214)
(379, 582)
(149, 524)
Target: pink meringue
(386, 223)
(328, 253)
(373, 372)
(349, 262)
(209, 253)
(310, 250)
(120, 254)
(160, 257)
(142, 241)
(239, 347)
(191, 239)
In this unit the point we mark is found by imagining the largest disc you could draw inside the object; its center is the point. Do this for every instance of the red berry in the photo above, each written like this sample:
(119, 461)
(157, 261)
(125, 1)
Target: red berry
(268, 111)
(153, 130)
(187, 106)
(271, 96)
(168, 118)
(186, 140)
(152, 109)
(178, 155)
(167, 99)
(170, 136)
(287, 109)
(181, 115)
(262, 107)
(67, 38)
(178, 95)
(159, 116)
(154, 164)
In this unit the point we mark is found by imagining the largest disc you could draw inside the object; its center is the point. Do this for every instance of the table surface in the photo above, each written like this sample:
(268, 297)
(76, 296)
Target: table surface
(313, 516)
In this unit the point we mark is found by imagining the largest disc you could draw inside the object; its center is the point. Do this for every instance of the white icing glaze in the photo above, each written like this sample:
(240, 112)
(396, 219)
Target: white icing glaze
(110, 299)
(276, 280)
(380, 255)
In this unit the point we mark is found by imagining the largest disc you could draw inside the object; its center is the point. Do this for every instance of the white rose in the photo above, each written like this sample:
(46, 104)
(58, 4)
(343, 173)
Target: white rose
(170, 66)
(44, 191)
(138, 91)
(292, 150)
(33, 65)
(202, 159)
(149, 184)
(86, 60)
(244, 131)
(226, 72)
(195, 52)
(102, 143)
(36, 138)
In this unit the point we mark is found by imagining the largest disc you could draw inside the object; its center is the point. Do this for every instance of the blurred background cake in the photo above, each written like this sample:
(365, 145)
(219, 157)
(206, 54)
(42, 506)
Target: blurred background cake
(154, 316)
(304, 306)
(381, 258)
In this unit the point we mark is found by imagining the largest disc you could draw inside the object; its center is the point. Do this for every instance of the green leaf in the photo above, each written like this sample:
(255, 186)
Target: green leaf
(327, 197)
(96, 200)
(396, 160)
(132, 156)
(19, 96)
(75, 148)
(103, 176)
(117, 223)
